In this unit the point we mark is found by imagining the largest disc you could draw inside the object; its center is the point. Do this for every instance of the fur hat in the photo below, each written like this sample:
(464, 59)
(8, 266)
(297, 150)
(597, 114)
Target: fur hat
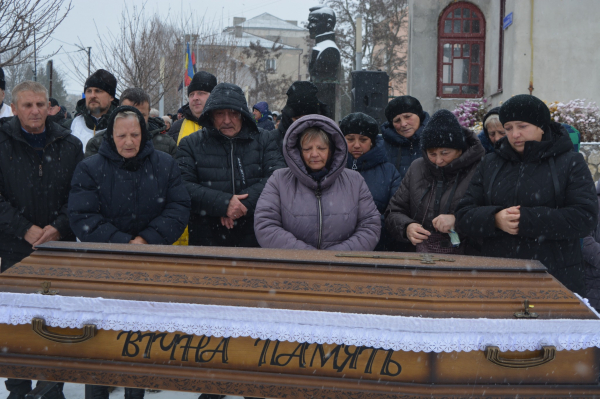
(359, 123)
(302, 99)
(443, 131)
(402, 105)
(525, 108)
(102, 80)
(202, 81)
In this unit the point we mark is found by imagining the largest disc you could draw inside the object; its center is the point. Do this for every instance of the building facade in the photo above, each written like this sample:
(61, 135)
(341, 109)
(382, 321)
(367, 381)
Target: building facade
(499, 48)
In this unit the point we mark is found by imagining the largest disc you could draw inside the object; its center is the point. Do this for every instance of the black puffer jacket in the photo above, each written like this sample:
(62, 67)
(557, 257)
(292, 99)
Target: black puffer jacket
(34, 191)
(591, 256)
(91, 122)
(176, 126)
(215, 167)
(415, 200)
(554, 188)
(114, 199)
(162, 142)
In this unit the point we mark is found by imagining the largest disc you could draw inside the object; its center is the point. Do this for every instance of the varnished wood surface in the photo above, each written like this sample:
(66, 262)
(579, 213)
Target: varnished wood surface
(246, 354)
(294, 280)
(257, 384)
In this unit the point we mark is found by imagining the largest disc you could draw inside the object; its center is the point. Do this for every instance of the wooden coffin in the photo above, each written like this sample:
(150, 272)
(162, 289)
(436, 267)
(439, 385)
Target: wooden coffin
(295, 324)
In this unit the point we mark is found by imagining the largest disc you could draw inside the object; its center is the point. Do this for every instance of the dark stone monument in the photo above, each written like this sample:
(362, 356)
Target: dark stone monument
(325, 58)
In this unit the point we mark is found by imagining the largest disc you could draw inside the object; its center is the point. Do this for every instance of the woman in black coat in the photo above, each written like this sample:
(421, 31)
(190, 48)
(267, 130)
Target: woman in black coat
(367, 157)
(128, 192)
(534, 197)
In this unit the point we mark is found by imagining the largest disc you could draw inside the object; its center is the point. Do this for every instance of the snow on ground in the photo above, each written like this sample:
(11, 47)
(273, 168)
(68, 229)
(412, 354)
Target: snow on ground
(77, 391)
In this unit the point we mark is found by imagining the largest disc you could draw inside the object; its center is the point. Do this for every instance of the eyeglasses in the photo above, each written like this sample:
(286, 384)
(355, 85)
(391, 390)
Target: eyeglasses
(227, 113)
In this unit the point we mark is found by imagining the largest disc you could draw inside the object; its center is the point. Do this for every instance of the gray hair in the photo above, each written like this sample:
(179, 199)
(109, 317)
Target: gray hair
(492, 118)
(154, 112)
(28, 85)
(124, 115)
(312, 133)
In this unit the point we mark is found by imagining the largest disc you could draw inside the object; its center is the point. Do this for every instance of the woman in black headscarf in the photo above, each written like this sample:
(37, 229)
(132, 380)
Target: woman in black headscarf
(128, 192)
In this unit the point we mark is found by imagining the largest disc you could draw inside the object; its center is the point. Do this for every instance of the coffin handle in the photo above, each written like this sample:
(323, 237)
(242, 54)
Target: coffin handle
(492, 353)
(39, 327)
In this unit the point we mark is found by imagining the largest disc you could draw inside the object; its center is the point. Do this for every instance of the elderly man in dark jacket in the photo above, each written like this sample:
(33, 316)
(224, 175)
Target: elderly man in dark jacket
(37, 161)
(534, 197)
(119, 198)
(225, 167)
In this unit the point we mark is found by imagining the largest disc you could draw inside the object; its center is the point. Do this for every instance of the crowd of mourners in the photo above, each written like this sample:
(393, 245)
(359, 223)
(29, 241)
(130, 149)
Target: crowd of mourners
(225, 175)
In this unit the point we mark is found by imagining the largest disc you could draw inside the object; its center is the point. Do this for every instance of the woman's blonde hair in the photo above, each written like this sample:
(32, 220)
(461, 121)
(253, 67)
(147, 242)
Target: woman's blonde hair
(312, 133)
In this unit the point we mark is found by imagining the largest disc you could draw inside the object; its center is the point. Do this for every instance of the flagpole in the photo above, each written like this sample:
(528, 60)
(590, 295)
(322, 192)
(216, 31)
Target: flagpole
(183, 77)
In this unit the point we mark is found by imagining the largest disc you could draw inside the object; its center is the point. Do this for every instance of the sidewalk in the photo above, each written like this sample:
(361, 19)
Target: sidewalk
(77, 391)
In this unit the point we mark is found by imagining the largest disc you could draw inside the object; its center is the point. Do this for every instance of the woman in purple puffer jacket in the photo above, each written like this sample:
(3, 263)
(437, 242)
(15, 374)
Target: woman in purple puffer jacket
(316, 202)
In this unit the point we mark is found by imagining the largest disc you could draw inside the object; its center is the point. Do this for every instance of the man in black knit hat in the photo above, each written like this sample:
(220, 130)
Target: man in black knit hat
(93, 110)
(4, 109)
(198, 93)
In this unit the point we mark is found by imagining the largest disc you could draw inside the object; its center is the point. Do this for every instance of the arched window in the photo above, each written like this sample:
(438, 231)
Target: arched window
(461, 51)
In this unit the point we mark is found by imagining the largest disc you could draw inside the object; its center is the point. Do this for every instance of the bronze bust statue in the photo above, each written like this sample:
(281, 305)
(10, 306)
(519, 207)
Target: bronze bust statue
(325, 57)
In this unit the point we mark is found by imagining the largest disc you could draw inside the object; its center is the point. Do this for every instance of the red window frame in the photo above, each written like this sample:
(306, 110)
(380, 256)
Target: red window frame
(455, 30)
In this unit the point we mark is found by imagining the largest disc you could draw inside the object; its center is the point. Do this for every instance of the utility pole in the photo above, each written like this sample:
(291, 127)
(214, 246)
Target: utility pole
(49, 75)
(89, 53)
(161, 102)
(359, 53)
(34, 57)
(89, 60)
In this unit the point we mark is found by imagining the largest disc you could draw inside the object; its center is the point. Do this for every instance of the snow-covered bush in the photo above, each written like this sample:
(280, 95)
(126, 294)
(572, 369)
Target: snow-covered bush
(584, 117)
(471, 112)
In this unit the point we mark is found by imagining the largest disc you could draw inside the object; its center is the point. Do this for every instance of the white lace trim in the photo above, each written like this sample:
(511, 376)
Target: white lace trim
(379, 331)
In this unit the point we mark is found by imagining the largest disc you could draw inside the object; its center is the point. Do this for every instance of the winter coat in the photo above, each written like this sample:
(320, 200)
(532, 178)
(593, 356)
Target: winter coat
(215, 167)
(264, 122)
(484, 139)
(114, 201)
(336, 213)
(417, 199)
(34, 191)
(383, 181)
(176, 126)
(84, 126)
(554, 188)
(591, 256)
(400, 151)
(162, 142)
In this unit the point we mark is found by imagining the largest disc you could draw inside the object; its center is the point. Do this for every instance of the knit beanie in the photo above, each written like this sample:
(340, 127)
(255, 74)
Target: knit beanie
(202, 81)
(302, 99)
(2, 81)
(103, 80)
(525, 108)
(443, 131)
(359, 123)
(401, 105)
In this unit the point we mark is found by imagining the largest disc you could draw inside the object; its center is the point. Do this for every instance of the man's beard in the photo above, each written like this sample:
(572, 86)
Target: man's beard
(97, 110)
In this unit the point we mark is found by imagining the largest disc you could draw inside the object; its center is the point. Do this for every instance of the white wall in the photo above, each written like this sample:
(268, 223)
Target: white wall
(566, 52)
(566, 48)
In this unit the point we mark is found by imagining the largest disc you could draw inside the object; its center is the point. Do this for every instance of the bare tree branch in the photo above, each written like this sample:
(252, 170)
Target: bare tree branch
(21, 21)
